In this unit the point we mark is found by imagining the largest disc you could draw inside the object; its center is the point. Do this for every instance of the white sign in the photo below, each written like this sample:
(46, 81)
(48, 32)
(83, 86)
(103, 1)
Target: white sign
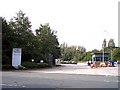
(16, 57)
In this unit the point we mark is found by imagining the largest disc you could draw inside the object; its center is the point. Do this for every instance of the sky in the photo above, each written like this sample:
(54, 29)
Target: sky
(77, 22)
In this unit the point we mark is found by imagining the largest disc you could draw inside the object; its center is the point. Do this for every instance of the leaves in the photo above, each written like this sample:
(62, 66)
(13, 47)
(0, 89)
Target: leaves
(111, 43)
(75, 53)
(48, 41)
(17, 33)
(116, 54)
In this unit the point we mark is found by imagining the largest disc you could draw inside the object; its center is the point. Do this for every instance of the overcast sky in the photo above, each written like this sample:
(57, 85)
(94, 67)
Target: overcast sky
(77, 22)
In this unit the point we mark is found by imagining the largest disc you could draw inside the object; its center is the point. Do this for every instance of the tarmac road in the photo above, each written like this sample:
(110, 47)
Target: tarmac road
(48, 78)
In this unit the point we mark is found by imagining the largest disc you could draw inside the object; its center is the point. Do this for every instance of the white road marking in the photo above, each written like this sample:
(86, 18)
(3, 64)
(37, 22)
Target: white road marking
(12, 85)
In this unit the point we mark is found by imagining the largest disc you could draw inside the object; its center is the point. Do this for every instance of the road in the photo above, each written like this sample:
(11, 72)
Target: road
(41, 79)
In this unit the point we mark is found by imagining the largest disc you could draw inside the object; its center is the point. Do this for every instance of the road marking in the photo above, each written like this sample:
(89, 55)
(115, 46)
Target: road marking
(12, 85)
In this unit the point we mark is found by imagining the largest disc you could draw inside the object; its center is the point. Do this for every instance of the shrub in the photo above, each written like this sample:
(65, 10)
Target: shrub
(42, 65)
(63, 62)
(29, 65)
(32, 65)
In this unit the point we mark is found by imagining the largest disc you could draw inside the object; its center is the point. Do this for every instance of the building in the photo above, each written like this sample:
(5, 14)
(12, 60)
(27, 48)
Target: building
(98, 56)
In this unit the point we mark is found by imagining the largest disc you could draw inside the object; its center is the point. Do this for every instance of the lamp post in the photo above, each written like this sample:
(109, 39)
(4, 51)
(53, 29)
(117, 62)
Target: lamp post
(103, 46)
(103, 55)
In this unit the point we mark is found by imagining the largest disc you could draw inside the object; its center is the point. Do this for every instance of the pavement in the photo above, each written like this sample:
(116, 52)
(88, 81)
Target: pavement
(81, 68)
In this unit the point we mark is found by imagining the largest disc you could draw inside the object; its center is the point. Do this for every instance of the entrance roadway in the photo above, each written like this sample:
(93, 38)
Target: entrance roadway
(65, 76)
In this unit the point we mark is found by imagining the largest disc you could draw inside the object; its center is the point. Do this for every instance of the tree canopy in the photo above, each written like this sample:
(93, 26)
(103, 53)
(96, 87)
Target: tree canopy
(111, 43)
(74, 53)
(48, 41)
(116, 54)
(17, 33)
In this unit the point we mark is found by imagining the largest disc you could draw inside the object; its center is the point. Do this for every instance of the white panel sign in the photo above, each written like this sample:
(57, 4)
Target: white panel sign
(16, 57)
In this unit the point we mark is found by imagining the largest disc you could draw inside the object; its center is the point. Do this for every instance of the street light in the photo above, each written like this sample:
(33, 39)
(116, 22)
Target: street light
(103, 46)
(103, 55)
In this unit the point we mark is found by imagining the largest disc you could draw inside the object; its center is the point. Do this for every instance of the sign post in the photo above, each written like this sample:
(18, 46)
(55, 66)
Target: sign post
(16, 57)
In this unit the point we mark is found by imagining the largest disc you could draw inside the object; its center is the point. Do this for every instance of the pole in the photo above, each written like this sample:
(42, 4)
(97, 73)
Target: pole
(103, 55)
(103, 52)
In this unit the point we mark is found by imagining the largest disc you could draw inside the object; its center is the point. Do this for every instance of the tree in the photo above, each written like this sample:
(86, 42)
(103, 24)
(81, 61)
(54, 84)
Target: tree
(74, 53)
(95, 50)
(48, 41)
(23, 35)
(104, 43)
(88, 56)
(111, 43)
(17, 33)
(7, 38)
(109, 48)
(116, 54)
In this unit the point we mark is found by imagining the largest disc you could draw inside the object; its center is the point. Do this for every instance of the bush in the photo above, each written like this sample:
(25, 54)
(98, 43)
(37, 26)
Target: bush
(29, 65)
(7, 67)
(42, 65)
(63, 62)
(32, 65)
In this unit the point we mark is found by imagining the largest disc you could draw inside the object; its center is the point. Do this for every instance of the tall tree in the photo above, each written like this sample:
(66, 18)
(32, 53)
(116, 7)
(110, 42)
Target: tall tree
(116, 54)
(22, 33)
(7, 38)
(48, 41)
(111, 43)
(104, 43)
